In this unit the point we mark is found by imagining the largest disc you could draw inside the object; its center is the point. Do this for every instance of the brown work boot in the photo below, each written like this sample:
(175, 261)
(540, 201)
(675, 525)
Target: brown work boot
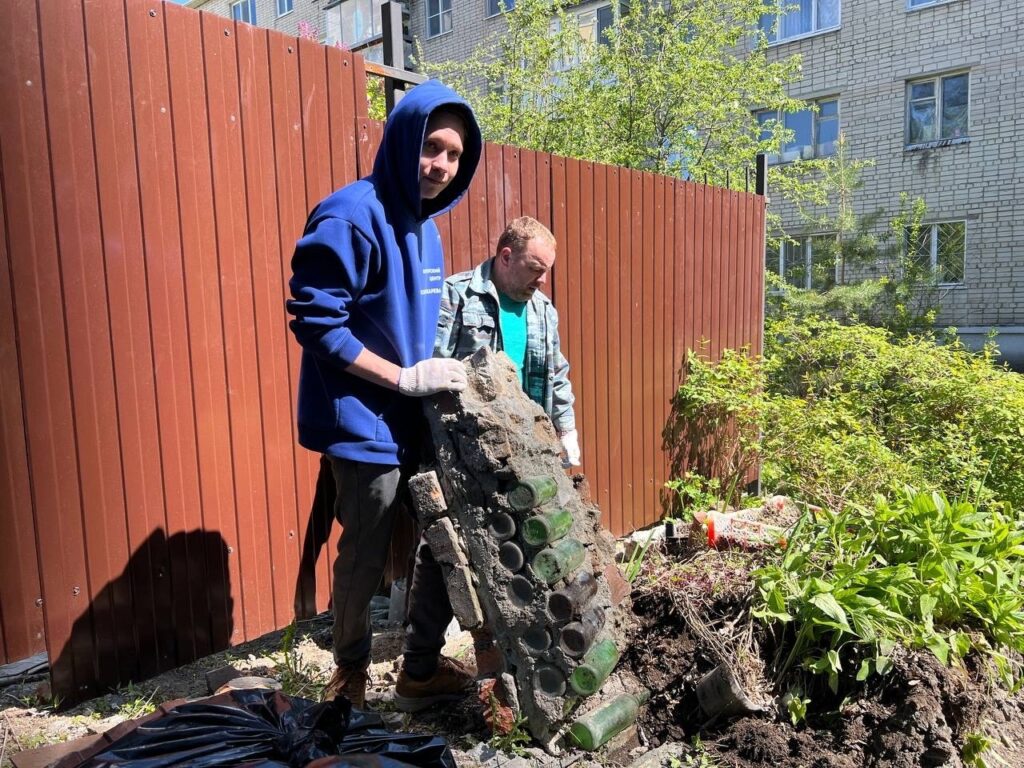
(450, 682)
(349, 682)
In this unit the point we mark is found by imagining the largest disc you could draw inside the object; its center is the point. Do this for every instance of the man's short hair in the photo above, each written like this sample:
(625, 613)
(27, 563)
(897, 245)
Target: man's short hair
(454, 110)
(519, 232)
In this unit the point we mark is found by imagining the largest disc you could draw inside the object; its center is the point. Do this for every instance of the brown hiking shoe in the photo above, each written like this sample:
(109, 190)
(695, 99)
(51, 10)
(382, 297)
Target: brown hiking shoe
(349, 682)
(450, 682)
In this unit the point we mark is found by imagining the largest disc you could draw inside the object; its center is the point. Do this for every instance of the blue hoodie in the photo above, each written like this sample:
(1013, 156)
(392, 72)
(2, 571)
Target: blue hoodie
(367, 273)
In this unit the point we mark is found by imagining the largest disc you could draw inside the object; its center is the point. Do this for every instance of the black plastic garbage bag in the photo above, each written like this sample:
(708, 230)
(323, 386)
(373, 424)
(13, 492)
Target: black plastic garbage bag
(267, 729)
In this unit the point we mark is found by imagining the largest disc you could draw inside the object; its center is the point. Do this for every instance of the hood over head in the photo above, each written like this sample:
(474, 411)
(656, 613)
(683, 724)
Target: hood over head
(397, 166)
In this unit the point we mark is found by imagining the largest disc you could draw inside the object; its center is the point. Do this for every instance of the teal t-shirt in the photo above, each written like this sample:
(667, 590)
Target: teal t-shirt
(513, 329)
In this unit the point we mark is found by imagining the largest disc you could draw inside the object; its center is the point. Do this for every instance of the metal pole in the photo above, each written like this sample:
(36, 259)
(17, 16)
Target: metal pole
(760, 174)
(394, 51)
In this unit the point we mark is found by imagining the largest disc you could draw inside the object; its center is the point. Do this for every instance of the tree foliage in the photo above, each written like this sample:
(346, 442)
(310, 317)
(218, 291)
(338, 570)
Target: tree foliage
(670, 89)
(869, 273)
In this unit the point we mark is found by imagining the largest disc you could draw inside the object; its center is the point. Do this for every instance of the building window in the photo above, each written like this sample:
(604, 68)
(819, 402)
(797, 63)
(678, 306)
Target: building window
(494, 7)
(593, 25)
(439, 17)
(284, 7)
(937, 108)
(940, 247)
(787, 19)
(805, 262)
(595, 22)
(814, 132)
(353, 22)
(244, 10)
(922, 3)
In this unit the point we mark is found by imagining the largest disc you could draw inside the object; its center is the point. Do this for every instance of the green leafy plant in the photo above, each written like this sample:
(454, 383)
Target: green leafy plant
(636, 558)
(515, 741)
(692, 493)
(916, 570)
(977, 751)
(713, 435)
(297, 676)
(796, 706)
(138, 704)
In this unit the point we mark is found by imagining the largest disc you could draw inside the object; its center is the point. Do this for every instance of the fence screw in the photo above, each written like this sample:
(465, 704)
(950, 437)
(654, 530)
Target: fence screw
(152, 13)
(76, 591)
(39, 602)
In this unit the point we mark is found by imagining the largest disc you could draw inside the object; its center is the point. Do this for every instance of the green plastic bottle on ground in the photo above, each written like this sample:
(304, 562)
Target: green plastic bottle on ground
(547, 527)
(532, 492)
(597, 727)
(598, 663)
(558, 561)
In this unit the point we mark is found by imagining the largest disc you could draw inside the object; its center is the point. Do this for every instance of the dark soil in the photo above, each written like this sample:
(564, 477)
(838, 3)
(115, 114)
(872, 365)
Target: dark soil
(919, 714)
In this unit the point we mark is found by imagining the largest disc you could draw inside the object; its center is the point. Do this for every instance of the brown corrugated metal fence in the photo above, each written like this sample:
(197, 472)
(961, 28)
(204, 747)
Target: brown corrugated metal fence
(156, 167)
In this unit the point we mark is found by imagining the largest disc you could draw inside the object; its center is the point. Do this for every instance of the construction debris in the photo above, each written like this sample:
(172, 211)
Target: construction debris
(522, 546)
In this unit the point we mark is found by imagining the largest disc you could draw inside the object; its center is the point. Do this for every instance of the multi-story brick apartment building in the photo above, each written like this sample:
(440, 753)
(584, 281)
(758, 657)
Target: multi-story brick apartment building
(355, 24)
(930, 90)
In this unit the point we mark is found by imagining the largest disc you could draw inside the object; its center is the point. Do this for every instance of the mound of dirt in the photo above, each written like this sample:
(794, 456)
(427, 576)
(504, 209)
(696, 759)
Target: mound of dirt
(693, 609)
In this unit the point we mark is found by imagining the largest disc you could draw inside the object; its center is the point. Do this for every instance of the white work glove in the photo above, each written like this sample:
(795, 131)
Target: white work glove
(571, 445)
(428, 377)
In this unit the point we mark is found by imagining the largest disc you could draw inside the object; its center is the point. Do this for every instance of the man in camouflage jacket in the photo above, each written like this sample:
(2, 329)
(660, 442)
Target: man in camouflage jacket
(494, 304)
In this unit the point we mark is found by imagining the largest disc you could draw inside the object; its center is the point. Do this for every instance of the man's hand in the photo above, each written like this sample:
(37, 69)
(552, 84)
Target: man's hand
(571, 445)
(428, 377)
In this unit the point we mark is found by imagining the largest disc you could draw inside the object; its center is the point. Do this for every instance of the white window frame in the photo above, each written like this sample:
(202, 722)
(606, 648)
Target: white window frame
(290, 7)
(779, 14)
(933, 248)
(337, 29)
(780, 158)
(503, 6)
(250, 11)
(937, 81)
(921, 4)
(440, 16)
(805, 245)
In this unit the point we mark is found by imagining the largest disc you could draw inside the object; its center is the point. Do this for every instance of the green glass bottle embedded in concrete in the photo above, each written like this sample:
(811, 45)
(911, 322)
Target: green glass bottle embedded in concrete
(547, 527)
(532, 492)
(558, 561)
(597, 727)
(595, 668)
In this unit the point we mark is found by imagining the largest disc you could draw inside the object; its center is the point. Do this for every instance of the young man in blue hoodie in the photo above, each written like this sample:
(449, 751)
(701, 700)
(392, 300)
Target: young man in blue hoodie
(366, 287)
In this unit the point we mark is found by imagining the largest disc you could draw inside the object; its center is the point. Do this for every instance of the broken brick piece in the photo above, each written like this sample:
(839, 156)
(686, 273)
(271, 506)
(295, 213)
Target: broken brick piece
(617, 584)
(444, 543)
(462, 593)
(427, 497)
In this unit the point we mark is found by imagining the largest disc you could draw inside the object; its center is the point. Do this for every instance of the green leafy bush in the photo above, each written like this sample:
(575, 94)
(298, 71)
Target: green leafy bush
(855, 411)
(918, 570)
(846, 416)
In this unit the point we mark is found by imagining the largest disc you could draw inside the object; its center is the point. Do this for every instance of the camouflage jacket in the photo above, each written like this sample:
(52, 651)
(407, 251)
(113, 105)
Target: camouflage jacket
(469, 321)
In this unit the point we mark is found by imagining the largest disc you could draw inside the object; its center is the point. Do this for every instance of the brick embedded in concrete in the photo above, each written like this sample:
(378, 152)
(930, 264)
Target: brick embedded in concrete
(487, 439)
(427, 498)
(444, 543)
(465, 604)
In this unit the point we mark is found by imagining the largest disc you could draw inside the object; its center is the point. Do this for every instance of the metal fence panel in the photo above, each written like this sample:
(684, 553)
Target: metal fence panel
(158, 164)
